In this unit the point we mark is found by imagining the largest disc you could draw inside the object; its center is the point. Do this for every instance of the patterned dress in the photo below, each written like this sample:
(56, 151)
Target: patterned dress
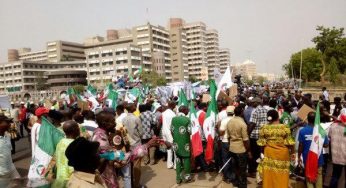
(276, 163)
(181, 131)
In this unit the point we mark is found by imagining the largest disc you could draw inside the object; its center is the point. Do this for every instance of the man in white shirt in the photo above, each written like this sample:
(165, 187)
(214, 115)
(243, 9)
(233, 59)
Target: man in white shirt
(325, 94)
(225, 154)
(167, 117)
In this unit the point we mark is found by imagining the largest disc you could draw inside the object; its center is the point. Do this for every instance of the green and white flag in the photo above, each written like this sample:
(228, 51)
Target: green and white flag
(91, 90)
(182, 98)
(45, 142)
(112, 99)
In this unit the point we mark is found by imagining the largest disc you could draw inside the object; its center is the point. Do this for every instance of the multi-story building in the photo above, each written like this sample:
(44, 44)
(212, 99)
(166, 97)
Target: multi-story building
(58, 51)
(26, 54)
(178, 45)
(212, 51)
(24, 75)
(196, 48)
(115, 56)
(225, 59)
(153, 39)
(246, 69)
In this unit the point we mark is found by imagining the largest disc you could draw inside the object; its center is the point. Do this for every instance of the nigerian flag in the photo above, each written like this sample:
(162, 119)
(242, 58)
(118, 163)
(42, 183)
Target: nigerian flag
(47, 138)
(196, 139)
(182, 98)
(318, 137)
(112, 98)
(91, 90)
(210, 122)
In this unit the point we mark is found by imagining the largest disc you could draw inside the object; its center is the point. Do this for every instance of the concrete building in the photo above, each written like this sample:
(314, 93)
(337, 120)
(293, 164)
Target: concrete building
(24, 75)
(114, 57)
(246, 69)
(153, 39)
(225, 59)
(212, 51)
(26, 54)
(178, 45)
(61, 79)
(196, 48)
(58, 51)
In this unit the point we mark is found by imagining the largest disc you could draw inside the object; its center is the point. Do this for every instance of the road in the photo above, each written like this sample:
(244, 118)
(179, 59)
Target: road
(155, 176)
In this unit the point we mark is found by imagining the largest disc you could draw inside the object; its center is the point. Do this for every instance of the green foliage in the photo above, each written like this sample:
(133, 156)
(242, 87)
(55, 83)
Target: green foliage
(193, 79)
(41, 82)
(249, 82)
(311, 66)
(333, 72)
(153, 79)
(78, 88)
(261, 79)
(332, 44)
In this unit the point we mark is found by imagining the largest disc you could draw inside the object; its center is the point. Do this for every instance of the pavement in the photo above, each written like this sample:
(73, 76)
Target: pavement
(153, 176)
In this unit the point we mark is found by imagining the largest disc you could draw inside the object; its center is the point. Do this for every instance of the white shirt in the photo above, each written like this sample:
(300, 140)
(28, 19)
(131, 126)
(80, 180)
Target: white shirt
(326, 95)
(90, 126)
(167, 117)
(119, 121)
(223, 127)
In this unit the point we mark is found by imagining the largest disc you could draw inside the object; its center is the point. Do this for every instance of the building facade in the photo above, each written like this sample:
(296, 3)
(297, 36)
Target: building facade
(178, 45)
(225, 59)
(246, 69)
(25, 75)
(212, 51)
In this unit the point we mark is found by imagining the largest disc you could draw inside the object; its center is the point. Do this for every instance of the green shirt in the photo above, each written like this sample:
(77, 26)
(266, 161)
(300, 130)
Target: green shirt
(181, 131)
(286, 119)
(63, 170)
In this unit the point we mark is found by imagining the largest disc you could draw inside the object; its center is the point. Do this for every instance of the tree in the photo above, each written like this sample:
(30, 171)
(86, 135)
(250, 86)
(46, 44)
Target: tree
(261, 79)
(333, 71)
(331, 43)
(193, 79)
(41, 82)
(311, 65)
(153, 78)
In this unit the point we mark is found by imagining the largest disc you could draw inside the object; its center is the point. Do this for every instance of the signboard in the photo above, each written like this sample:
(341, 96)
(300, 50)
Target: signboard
(224, 96)
(206, 98)
(204, 73)
(304, 111)
(233, 91)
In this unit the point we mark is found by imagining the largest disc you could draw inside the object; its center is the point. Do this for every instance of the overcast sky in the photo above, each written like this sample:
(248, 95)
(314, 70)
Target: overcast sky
(265, 31)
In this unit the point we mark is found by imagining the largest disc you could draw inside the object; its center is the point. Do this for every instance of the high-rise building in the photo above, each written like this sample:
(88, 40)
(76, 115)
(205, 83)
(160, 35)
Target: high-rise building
(26, 54)
(212, 51)
(178, 45)
(225, 59)
(153, 39)
(196, 48)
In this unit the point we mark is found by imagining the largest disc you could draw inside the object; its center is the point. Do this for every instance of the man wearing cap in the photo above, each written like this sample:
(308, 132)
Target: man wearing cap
(225, 154)
(83, 156)
(337, 137)
(7, 169)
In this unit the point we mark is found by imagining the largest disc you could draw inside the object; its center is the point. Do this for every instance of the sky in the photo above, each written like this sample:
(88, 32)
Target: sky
(265, 31)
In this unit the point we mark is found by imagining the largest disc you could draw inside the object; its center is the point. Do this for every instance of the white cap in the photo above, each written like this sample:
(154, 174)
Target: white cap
(22, 102)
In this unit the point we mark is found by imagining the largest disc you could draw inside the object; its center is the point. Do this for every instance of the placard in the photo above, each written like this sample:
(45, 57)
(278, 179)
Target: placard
(206, 98)
(304, 111)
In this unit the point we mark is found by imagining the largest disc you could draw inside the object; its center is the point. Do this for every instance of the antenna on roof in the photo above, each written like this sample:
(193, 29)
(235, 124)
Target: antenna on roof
(147, 14)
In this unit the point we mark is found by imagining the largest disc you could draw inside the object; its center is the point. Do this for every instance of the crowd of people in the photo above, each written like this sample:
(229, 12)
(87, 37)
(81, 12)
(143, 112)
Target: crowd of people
(257, 134)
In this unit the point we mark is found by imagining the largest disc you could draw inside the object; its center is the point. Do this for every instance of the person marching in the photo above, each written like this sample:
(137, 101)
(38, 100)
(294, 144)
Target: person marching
(181, 131)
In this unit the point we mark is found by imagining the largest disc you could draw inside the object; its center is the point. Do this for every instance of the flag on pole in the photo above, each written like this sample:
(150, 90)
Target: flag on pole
(91, 90)
(318, 137)
(112, 98)
(48, 137)
(209, 123)
(182, 98)
(225, 82)
(196, 140)
(106, 91)
(139, 71)
(70, 97)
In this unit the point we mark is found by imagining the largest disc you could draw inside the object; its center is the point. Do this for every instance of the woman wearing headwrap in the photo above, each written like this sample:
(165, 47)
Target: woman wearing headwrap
(277, 142)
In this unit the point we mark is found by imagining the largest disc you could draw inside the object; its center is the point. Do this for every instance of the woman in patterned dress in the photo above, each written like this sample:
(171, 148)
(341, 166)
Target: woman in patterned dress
(277, 142)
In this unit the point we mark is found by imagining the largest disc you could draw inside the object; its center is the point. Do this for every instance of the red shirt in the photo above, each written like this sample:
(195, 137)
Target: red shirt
(22, 114)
